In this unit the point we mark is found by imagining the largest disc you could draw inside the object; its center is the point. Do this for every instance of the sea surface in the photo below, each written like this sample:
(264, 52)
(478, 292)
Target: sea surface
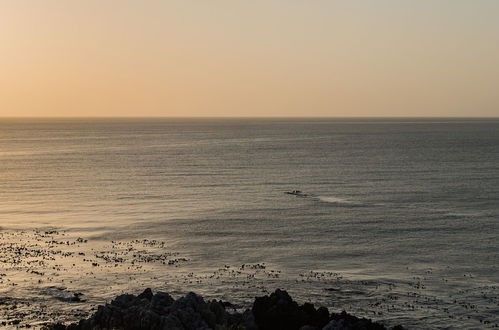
(398, 219)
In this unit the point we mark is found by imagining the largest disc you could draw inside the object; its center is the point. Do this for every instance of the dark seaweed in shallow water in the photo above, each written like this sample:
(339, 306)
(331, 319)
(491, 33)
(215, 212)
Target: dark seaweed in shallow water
(160, 311)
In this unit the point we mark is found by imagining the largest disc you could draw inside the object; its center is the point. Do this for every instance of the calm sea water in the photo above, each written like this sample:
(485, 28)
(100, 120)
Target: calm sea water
(400, 222)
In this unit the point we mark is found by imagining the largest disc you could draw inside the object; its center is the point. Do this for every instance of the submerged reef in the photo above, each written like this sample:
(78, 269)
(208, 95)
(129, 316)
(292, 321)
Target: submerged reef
(278, 311)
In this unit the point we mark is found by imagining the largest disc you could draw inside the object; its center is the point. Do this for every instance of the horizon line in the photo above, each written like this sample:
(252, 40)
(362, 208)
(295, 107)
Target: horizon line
(249, 117)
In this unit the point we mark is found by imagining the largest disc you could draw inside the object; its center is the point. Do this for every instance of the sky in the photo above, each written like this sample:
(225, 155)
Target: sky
(259, 58)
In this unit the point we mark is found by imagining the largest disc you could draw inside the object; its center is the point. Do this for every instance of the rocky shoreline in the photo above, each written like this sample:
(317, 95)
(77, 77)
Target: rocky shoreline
(148, 311)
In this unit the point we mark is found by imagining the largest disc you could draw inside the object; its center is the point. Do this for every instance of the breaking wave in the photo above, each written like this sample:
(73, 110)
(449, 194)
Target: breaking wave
(338, 201)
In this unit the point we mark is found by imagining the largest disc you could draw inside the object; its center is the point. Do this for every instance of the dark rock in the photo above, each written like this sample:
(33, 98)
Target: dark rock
(149, 311)
(218, 310)
(279, 311)
(74, 298)
(159, 311)
(309, 327)
(398, 327)
(147, 294)
(160, 301)
(248, 321)
(322, 316)
(345, 321)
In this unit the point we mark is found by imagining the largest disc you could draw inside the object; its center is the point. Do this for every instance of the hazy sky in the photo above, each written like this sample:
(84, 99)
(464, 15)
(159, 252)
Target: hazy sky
(249, 58)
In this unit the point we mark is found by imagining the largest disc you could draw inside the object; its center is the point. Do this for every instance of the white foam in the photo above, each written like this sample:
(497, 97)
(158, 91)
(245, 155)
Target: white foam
(336, 200)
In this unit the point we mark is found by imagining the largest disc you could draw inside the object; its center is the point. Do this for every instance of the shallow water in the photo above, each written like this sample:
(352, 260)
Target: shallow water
(399, 222)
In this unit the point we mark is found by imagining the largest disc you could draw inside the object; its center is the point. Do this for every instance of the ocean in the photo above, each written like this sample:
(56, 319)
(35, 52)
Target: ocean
(398, 219)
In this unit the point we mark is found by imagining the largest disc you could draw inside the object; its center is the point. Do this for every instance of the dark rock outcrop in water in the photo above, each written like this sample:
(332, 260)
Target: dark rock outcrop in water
(160, 311)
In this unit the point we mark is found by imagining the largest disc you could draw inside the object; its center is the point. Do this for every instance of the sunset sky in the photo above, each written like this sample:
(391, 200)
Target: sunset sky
(249, 58)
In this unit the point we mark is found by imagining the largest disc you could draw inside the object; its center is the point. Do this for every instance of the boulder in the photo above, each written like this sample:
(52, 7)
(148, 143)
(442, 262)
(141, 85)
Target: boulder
(279, 311)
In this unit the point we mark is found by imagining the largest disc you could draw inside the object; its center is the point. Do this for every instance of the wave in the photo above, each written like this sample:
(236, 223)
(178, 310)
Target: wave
(338, 201)
(326, 199)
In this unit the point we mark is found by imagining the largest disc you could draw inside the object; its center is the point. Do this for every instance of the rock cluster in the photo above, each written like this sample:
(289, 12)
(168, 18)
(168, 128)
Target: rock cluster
(161, 311)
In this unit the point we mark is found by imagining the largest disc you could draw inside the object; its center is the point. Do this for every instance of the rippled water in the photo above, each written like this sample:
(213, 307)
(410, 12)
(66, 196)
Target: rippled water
(398, 221)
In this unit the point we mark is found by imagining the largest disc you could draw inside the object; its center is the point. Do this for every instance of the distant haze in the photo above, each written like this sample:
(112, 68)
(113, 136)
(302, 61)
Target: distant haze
(249, 58)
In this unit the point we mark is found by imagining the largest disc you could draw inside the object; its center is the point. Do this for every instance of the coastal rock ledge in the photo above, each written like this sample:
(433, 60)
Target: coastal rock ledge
(161, 311)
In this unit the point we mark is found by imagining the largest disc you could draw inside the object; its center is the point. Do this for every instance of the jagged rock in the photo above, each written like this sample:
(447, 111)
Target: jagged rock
(160, 301)
(309, 327)
(158, 311)
(279, 311)
(149, 311)
(345, 321)
(335, 325)
(248, 320)
(147, 294)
